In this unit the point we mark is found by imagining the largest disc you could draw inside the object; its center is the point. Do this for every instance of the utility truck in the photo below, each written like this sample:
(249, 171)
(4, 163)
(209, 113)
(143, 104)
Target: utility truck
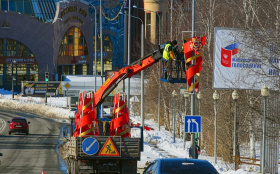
(98, 145)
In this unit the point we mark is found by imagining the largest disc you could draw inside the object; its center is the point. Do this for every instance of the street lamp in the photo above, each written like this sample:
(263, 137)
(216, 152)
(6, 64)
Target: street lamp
(101, 49)
(13, 62)
(199, 97)
(235, 97)
(264, 93)
(159, 19)
(174, 94)
(215, 97)
(186, 113)
(95, 47)
(142, 72)
(159, 42)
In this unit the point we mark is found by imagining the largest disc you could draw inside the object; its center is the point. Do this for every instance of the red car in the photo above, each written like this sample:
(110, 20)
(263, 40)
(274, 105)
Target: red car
(19, 125)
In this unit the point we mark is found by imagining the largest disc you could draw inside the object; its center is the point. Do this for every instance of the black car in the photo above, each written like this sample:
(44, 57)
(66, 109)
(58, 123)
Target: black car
(180, 166)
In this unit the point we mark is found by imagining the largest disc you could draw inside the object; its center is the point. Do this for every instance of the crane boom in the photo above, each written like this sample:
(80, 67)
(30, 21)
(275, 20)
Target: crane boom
(126, 72)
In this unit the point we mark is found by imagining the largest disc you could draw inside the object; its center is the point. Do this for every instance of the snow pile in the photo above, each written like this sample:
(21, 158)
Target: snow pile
(38, 109)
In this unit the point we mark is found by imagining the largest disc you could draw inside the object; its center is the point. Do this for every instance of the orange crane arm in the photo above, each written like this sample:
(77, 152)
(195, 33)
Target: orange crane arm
(126, 72)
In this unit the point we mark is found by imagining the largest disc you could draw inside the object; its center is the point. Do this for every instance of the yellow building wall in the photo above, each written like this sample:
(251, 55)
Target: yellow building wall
(161, 7)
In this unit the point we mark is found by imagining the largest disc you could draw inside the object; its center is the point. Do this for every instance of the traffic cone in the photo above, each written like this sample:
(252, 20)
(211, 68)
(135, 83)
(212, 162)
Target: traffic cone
(43, 172)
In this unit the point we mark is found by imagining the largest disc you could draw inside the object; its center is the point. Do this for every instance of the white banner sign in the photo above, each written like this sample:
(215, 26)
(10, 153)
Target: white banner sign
(240, 62)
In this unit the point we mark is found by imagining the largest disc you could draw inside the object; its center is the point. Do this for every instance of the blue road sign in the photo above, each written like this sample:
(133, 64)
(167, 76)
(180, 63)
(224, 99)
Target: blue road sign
(192, 124)
(90, 146)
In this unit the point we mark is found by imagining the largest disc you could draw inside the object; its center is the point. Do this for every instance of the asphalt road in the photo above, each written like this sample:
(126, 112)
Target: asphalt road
(31, 153)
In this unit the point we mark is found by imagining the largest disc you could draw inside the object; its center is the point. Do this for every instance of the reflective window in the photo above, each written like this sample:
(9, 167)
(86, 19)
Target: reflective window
(12, 5)
(18, 52)
(1, 47)
(20, 6)
(4, 5)
(23, 6)
(73, 44)
(84, 69)
(107, 43)
(13, 48)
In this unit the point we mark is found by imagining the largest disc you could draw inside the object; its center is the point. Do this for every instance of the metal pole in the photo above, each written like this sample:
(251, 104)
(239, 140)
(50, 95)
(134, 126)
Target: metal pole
(46, 99)
(171, 19)
(128, 52)
(95, 49)
(101, 51)
(264, 132)
(215, 143)
(174, 119)
(186, 113)
(199, 134)
(235, 113)
(159, 84)
(69, 102)
(12, 80)
(142, 76)
(193, 91)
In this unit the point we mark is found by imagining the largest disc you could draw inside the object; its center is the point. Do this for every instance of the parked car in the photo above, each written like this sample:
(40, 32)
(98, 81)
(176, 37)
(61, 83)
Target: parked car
(180, 166)
(19, 125)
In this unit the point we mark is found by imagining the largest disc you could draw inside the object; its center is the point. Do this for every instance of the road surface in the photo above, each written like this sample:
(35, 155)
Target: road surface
(29, 153)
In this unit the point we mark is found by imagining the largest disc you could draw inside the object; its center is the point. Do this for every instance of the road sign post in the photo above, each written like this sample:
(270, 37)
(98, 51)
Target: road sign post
(90, 146)
(192, 124)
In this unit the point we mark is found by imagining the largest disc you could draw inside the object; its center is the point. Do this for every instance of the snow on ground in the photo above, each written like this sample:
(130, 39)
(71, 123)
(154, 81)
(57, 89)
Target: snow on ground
(163, 139)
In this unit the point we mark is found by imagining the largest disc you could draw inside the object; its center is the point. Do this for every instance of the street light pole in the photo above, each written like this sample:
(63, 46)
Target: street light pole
(95, 48)
(101, 51)
(235, 98)
(215, 97)
(142, 72)
(186, 113)
(174, 94)
(159, 42)
(264, 93)
(193, 78)
(13, 79)
(199, 97)
(128, 53)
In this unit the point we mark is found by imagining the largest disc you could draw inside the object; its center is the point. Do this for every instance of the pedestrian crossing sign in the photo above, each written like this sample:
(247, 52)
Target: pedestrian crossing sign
(109, 149)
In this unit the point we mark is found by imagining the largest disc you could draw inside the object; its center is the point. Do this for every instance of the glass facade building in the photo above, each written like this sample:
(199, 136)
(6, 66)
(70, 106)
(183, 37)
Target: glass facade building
(57, 36)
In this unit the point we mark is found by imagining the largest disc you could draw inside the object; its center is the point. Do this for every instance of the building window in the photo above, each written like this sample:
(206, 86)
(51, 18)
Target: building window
(107, 44)
(1, 47)
(158, 17)
(13, 48)
(98, 43)
(73, 44)
(148, 18)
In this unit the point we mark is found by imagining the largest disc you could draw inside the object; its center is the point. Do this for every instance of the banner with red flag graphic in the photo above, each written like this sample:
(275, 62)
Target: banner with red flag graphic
(86, 121)
(120, 122)
(192, 52)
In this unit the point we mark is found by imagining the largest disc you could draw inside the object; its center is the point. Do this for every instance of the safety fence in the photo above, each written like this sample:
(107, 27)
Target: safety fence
(244, 160)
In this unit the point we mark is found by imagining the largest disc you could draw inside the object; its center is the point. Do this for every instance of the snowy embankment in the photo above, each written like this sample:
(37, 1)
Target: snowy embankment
(34, 107)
